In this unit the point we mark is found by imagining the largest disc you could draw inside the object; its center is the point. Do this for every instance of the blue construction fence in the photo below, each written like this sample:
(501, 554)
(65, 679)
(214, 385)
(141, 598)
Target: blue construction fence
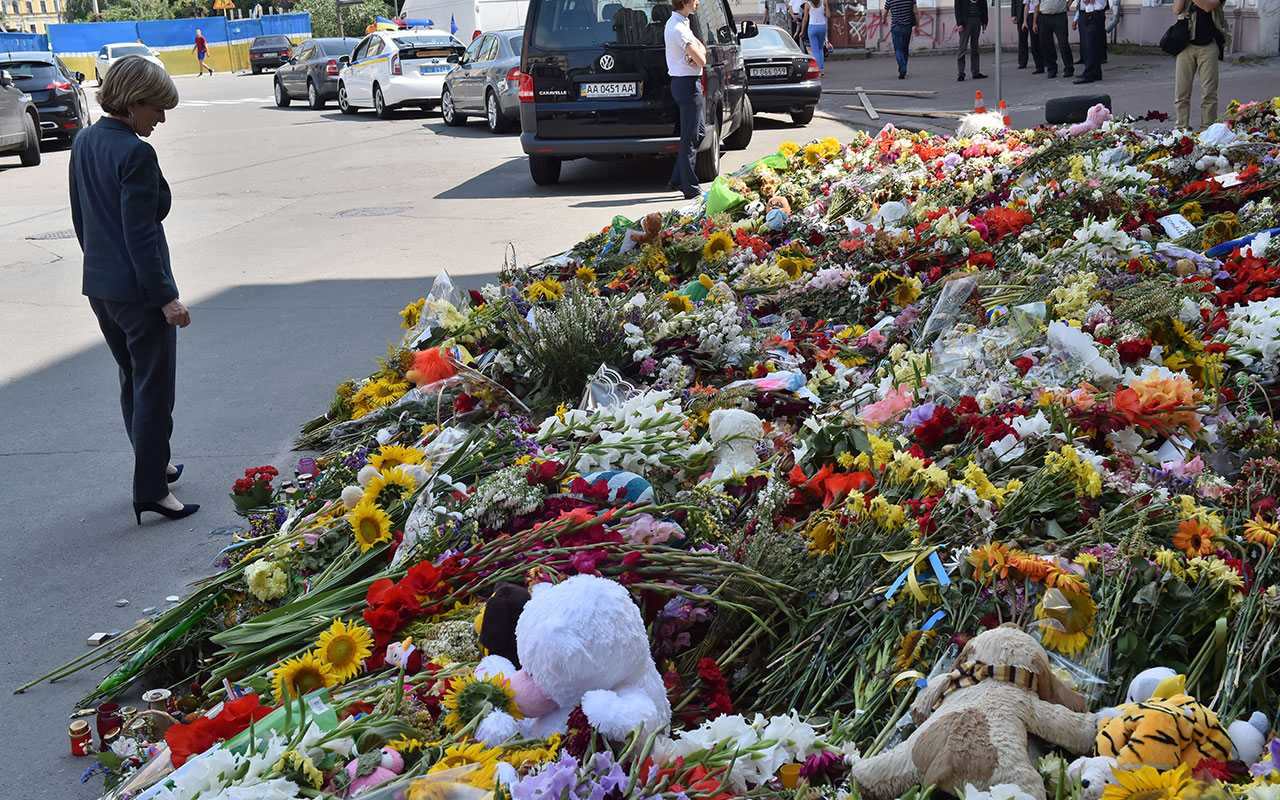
(15, 41)
(173, 39)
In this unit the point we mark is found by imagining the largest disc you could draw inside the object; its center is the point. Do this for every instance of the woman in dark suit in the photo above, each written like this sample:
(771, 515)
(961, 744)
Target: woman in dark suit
(118, 199)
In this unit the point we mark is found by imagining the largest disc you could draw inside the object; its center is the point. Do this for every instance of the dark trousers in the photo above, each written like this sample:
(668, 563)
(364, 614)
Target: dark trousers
(1055, 26)
(688, 96)
(969, 40)
(145, 347)
(1093, 42)
(1028, 41)
(901, 44)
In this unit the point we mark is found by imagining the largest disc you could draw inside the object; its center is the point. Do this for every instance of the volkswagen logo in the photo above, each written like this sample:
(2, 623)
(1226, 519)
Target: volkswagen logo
(606, 62)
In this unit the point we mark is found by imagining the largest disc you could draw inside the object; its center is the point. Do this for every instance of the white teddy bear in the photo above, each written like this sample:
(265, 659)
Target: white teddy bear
(580, 642)
(735, 433)
(1094, 773)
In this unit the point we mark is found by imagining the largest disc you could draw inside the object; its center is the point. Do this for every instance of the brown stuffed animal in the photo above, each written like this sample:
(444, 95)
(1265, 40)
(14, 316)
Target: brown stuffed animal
(652, 227)
(973, 722)
(778, 201)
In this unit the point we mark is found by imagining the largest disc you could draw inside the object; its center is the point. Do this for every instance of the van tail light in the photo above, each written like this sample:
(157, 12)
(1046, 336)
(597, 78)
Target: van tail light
(395, 64)
(331, 68)
(525, 91)
(812, 74)
(513, 75)
(59, 86)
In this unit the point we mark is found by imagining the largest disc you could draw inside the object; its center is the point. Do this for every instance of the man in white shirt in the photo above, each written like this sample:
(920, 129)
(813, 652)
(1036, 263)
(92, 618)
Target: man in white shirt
(686, 56)
(797, 17)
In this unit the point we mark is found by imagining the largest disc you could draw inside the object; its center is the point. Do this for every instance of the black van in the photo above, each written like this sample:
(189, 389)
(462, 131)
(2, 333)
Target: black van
(594, 83)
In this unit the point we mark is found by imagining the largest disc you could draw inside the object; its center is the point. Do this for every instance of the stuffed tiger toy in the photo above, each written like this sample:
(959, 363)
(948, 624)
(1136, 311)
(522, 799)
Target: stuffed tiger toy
(1170, 729)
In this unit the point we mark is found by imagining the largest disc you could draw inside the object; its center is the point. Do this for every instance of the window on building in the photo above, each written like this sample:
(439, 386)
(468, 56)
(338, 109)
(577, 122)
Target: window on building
(44, 6)
(30, 10)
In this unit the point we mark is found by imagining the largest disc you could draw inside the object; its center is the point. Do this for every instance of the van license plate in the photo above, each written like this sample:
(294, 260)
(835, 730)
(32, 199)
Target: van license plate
(607, 89)
(768, 72)
(434, 68)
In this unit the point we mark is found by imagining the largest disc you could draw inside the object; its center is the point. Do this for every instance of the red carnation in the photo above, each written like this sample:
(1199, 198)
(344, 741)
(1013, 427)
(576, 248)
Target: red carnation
(1133, 350)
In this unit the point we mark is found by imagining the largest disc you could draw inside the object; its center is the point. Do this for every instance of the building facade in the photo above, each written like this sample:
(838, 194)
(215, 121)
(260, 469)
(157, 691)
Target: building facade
(30, 16)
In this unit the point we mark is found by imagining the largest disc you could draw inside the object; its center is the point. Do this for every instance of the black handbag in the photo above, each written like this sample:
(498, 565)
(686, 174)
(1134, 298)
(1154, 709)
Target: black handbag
(1176, 39)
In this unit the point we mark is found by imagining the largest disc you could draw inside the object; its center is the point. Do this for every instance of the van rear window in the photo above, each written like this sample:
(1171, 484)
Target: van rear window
(574, 24)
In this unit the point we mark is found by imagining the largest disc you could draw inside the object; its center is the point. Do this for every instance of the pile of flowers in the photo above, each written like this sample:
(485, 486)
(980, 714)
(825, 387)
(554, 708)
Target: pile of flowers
(1023, 377)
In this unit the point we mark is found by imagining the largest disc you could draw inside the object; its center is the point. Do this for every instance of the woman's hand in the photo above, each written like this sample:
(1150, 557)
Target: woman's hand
(175, 313)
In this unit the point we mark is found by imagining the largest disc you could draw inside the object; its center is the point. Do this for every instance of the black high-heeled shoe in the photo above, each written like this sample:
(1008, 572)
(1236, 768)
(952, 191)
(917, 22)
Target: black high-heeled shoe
(186, 511)
(174, 477)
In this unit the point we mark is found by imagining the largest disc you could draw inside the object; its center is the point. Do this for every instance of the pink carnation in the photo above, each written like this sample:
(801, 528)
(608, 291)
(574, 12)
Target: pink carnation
(895, 402)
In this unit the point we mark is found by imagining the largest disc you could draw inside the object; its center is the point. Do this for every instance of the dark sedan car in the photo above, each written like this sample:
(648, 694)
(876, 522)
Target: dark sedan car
(269, 51)
(312, 71)
(486, 82)
(781, 77)
(54, 89)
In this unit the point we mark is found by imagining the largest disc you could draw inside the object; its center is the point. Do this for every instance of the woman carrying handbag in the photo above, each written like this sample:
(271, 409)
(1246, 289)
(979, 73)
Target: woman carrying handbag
(814, 28)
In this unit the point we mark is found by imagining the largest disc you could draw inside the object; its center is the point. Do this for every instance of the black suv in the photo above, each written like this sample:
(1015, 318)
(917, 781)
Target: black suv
(594, 83)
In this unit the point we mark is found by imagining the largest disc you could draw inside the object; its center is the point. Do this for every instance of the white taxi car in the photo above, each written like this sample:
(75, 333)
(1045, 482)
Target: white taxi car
(389, 69)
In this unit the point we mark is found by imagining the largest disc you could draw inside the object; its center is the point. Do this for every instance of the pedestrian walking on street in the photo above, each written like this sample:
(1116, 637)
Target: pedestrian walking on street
(902, 21)
(1050, 23)
(814, 28)
(971, 21)
(686, 56)
(1210, 36)
(1023, 10)
(201, 50)
(797, 22)
(1091, 20)
(118, 200)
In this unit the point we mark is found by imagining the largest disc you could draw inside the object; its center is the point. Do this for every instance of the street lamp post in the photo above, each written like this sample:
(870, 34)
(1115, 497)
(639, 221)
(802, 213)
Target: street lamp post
(999, 84)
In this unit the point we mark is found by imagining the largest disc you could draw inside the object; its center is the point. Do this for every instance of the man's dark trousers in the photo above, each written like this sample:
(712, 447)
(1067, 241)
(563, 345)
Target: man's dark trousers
(1027, 41)
(145, 347)
(1051, 26)
(969, 35)
(688, 95)
(1093, 42)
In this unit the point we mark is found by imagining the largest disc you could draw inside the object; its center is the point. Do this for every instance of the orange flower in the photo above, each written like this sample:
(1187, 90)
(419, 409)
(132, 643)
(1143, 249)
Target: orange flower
(1178, 395)
(1193, 538)
(992, 555)
(1259, 531)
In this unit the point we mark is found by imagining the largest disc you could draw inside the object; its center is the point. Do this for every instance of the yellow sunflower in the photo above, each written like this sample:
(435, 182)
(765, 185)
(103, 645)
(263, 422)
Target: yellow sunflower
(1259, 531)
(912, 648)
(718, 245)
(395, 455)
(519, 756)
(343, 647)
(545, 289)
(1073, 612)
(677, 302)
(298, 768)
(370, 524)
(823, 534)
(389, 486)
(585, 274)
(788, 149)
(299, 676)
(412, 313)
(470, 697)
(386, 392)
(461, 755)
(1148, 783)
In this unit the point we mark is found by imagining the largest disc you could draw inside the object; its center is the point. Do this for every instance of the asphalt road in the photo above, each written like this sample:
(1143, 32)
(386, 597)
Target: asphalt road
(296, 237)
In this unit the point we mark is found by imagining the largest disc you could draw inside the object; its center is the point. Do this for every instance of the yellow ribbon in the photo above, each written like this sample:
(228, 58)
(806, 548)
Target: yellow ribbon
(916, 557)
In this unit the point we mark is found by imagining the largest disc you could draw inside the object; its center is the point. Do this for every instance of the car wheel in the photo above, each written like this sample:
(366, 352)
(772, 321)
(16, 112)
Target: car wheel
(97, 76)
(282, 97)
(545, 170)
(344, 102)
(313, 96)
(30, 155)
(380, 103)
(741, 136)
(803, 117)
(706, 163)
(493, 114)
(449, 111)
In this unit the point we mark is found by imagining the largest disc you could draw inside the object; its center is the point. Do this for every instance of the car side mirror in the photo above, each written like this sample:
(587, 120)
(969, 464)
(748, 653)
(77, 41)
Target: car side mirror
(5, 78)
(79, 77)
(749, 30)
(344, 60)
(453, 58)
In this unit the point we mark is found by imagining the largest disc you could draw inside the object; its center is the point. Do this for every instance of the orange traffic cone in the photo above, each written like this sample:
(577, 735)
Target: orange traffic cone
(979, 105)
(1004, 115)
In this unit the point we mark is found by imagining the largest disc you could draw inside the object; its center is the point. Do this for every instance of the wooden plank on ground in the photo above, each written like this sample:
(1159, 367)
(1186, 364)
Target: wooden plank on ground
(917, 112)
(866, 103)
(896, 92)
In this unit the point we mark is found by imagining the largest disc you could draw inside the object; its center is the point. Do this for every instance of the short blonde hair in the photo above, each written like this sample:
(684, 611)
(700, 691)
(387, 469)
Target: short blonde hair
(134, 79)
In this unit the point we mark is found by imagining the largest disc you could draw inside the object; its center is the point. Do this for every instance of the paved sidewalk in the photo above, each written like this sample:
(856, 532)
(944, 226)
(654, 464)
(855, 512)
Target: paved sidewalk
(1136, 83)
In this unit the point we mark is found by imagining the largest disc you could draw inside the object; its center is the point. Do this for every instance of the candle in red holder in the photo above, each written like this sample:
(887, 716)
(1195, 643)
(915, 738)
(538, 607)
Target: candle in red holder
(81, 738)
(108, 718)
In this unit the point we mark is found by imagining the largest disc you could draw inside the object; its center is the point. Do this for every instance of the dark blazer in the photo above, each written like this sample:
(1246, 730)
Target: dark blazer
(1017, 7)
(118, 199)
(962, 11)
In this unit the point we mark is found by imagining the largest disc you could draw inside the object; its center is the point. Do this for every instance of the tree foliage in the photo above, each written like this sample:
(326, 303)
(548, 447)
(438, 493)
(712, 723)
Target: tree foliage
(324, 18)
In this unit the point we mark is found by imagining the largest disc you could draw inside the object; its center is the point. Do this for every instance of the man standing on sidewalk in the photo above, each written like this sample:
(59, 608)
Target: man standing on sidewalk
(1091, 18)
(971, 21)
(902, 21)
(1050, 23)
(1022, 12)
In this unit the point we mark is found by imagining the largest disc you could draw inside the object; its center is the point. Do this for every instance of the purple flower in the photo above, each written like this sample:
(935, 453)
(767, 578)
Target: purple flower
(919, 415)
(1273, 765)
(552, 783)
(822, 766)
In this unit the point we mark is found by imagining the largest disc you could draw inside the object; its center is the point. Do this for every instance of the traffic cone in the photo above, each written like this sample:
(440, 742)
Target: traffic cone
(979, 105)
(1004, 115)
